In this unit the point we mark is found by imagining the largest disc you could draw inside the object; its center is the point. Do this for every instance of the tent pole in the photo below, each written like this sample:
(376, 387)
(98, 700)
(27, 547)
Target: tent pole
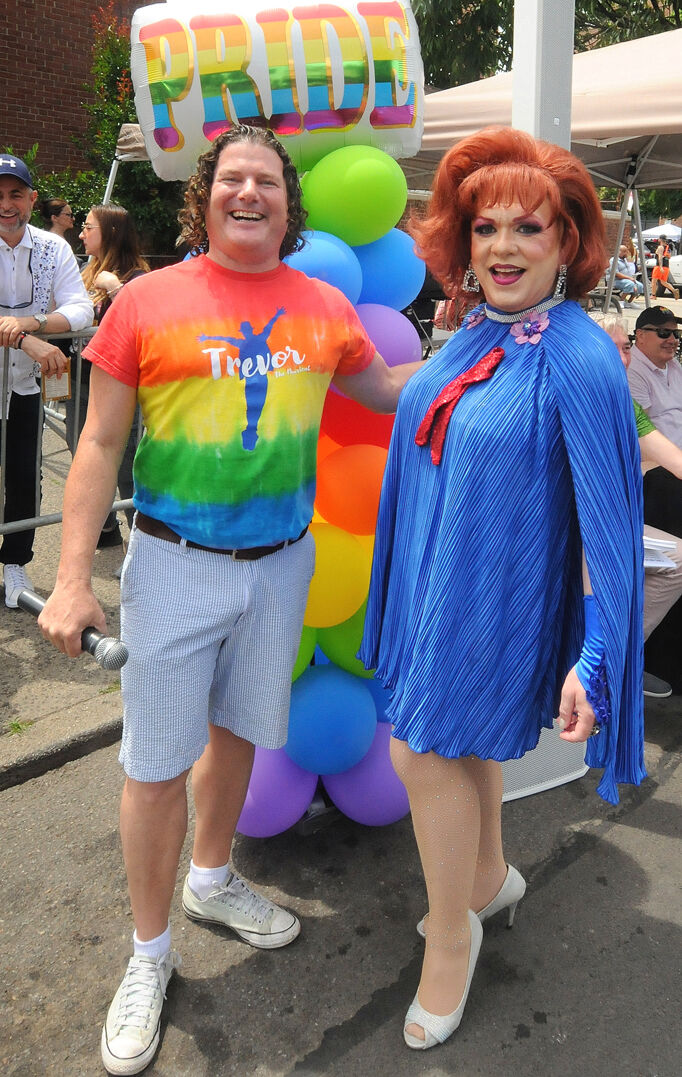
(543, 69)
(110, 182)
(614, 261)
(640, 245)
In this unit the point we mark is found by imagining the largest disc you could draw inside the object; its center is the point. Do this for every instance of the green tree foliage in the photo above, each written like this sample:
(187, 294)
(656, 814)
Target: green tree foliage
(666, 204)
(153, 203)
(462, 41)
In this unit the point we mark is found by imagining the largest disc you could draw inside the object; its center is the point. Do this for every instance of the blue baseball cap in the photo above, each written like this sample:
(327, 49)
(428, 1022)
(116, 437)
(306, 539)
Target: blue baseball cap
(14, 166)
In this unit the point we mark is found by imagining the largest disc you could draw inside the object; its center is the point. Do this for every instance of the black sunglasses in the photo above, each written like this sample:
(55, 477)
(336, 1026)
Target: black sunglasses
(663, 334)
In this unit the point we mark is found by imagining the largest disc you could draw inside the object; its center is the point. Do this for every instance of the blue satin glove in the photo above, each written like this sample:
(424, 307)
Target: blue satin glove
(592, 654)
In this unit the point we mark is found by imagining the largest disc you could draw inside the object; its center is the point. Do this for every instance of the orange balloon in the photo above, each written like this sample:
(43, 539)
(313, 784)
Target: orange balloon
(349, 486)
(325, 446)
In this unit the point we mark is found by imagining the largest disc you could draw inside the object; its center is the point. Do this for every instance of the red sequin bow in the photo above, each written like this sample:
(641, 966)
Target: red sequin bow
(435, 423)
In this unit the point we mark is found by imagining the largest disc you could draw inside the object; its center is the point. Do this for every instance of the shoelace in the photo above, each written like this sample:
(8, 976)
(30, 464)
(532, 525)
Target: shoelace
(138, 992)
(241, 897)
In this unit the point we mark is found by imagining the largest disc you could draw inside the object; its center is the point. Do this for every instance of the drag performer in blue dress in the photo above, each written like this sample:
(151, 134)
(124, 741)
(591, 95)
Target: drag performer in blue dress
(507, 577)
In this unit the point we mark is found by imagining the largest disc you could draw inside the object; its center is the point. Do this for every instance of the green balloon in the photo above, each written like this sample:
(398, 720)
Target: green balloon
(357, 193)
(305, 651)
(341, 643)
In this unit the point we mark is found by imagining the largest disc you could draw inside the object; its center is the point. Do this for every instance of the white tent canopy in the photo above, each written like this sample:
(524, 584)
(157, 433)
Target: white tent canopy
(626, 120)
(669, 230)
(626, 117)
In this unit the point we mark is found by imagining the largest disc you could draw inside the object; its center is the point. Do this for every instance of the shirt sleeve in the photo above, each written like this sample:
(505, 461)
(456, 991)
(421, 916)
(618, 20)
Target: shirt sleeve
(644, 423)
(114, 346)
(359, 350)
(68, 291)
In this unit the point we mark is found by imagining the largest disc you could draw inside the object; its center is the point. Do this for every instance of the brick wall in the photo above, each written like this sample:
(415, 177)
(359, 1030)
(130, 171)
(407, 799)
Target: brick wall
(45, 58)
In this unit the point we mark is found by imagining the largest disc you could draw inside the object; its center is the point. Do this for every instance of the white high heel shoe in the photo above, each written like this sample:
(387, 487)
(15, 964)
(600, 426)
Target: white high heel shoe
(437, 1029)
(508, 896)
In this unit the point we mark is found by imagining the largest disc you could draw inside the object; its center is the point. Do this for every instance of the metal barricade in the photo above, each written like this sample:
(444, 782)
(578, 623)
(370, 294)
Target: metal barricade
(54, 418)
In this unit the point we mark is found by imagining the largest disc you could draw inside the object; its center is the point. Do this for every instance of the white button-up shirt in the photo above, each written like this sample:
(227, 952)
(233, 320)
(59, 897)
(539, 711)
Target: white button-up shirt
(659, 392)
(39, 276)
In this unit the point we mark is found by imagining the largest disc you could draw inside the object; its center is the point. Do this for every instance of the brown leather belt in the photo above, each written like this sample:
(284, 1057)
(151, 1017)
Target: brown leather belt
(157, 529)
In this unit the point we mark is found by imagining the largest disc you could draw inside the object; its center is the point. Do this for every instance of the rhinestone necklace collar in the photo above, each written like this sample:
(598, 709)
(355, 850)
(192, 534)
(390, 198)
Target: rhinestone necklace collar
(522, 315)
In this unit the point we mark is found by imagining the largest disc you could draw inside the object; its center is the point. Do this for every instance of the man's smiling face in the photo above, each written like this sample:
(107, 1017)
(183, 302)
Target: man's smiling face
(16, 204)
(246, 218)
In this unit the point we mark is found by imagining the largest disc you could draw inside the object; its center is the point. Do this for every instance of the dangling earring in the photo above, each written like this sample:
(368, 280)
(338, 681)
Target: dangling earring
(560, 290)
(470, 282)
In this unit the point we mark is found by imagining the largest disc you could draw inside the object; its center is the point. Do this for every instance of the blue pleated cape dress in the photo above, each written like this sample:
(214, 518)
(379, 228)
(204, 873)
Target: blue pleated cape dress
(475, 611)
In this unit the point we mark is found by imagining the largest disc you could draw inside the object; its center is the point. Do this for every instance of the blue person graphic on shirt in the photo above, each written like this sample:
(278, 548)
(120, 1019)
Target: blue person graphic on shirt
(252, 346)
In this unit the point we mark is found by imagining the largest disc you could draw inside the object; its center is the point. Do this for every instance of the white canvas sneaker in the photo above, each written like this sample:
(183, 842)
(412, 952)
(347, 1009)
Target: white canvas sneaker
(130, 1035)
(16, 580)
(250, 915)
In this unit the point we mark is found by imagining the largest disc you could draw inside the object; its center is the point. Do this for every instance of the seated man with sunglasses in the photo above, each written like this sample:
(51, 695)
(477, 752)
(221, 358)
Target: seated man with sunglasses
(654, 375)
(41, 291)
(655, 379)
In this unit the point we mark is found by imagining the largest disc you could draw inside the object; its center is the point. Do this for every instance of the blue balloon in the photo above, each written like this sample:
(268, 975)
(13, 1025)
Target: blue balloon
(330, 259)
(381, 697)
(332, 720)
(392, 274)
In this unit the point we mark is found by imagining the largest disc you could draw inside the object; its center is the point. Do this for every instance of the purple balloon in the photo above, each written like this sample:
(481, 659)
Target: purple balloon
(393, 335)
(278, 795)
(370, 792)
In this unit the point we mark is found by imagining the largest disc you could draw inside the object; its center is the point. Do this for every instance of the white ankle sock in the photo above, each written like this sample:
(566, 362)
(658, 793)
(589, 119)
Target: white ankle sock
(152, 947)
(203, 880)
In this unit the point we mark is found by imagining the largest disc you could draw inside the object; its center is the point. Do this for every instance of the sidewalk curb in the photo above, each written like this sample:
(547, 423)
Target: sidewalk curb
(55, 754)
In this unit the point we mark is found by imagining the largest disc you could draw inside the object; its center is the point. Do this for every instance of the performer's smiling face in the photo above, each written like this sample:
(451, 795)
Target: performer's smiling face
(515, 254)
(246, 218)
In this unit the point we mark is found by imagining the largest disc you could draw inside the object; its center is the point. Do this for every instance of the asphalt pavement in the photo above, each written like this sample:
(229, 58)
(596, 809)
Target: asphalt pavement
(587, 982)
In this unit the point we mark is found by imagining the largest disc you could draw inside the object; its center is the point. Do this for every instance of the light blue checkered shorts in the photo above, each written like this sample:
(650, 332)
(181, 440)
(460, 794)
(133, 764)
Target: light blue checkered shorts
(210, 640)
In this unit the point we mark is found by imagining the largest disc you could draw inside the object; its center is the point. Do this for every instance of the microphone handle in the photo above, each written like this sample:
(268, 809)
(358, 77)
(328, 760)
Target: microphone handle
(108, 652)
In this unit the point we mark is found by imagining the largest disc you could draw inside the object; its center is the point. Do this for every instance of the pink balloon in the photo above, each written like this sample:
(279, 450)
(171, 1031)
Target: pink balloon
(278, 795)
(370, 792)
(393, 335)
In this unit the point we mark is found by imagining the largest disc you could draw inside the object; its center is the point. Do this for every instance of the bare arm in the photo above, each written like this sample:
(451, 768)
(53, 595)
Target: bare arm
(378, 386)
(657, 448)
(87, 499)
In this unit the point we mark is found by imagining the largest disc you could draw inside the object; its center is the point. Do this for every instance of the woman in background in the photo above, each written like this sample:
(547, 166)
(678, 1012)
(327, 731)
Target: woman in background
(57, 215)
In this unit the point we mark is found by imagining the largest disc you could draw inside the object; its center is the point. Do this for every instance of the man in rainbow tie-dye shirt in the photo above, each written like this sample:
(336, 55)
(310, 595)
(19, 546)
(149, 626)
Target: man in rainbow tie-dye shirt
(230, 355)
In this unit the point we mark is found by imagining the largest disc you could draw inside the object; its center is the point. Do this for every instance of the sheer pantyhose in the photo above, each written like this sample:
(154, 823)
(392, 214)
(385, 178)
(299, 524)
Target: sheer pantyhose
(456, 815)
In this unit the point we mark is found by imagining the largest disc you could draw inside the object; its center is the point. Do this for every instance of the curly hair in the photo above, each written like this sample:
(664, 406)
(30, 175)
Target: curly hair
(499, 165)
(192, 216)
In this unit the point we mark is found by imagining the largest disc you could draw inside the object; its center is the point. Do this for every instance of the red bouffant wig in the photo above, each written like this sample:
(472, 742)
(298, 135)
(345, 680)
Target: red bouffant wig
(499, 166)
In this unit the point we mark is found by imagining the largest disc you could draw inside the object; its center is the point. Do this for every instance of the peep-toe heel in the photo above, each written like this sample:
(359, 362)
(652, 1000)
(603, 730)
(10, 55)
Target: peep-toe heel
(437, 1029)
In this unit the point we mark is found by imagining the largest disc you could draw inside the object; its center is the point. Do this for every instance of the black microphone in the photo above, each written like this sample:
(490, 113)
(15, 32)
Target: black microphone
(108, 652)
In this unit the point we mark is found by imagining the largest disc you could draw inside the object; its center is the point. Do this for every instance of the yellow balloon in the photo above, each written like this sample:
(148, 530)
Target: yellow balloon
(341, 580)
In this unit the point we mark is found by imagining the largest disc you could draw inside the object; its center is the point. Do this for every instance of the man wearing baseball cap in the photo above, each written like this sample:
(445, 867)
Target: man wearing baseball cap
(655, 379)
(41, 291)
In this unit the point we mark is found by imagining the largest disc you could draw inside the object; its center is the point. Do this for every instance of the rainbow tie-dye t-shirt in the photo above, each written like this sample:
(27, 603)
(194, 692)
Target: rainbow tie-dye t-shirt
(231, 371)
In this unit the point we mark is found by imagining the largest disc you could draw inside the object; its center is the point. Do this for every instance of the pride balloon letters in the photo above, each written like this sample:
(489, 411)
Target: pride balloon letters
(320, 75)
